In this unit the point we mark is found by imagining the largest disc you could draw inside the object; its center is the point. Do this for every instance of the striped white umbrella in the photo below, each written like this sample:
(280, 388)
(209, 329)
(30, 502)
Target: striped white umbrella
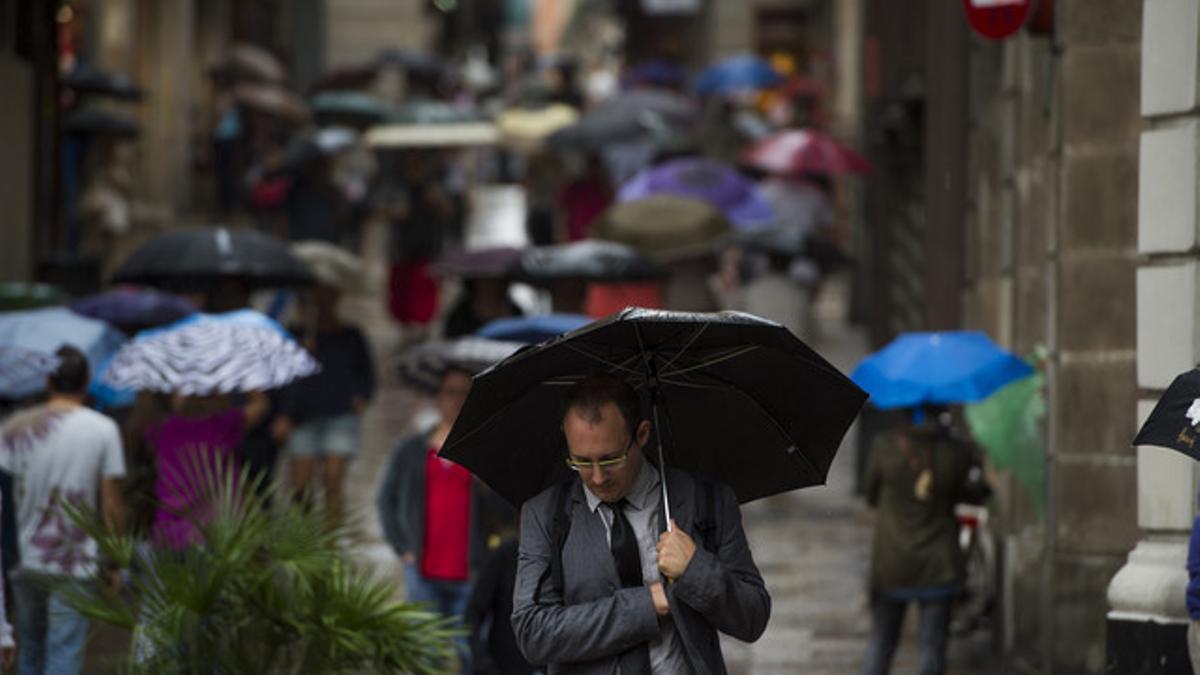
(20, 366)
(210, 356)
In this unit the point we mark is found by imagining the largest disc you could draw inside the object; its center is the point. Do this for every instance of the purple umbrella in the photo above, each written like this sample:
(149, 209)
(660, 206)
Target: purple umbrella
(134, 308)
(720, 185)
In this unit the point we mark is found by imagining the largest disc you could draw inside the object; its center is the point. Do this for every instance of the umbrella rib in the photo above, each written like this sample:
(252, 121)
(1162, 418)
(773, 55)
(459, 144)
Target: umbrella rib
(684, 348)
(715, 360)
(611, 364)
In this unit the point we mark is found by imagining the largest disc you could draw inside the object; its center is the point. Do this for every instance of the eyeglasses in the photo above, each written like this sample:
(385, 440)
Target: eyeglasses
(590, 465)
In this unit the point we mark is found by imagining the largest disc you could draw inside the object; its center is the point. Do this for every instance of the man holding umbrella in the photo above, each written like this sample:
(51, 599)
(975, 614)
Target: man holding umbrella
(581, 614)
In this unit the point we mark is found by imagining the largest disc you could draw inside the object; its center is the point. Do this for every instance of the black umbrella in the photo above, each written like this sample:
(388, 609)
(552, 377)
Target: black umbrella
(86, 79)
(199, 254)
(636, 115)
(423, 365)
(733, 396)
(1175, 422)
(588, 260)
(94, 121)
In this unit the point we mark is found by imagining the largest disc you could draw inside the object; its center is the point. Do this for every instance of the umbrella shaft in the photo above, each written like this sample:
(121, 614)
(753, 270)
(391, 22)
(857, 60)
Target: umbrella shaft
(662, 467)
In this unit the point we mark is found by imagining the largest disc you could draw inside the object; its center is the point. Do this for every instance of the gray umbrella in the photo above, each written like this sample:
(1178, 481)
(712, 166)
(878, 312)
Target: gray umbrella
(200, 254)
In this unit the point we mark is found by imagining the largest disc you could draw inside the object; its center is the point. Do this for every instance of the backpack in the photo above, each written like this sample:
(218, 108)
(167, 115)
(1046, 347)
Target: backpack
(560, 527)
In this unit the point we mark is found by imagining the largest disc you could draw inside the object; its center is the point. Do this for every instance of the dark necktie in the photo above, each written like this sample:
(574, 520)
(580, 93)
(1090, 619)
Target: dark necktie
(636, 660)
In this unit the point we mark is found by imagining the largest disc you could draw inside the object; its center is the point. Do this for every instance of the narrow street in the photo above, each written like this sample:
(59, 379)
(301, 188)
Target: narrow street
(812, 546)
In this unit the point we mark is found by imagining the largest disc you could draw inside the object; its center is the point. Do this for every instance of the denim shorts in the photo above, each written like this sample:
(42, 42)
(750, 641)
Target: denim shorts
(327, 436)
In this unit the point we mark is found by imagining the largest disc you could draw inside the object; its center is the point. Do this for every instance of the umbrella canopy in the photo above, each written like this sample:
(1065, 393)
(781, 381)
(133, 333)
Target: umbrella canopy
(707, 180)
(531, 329)
(332, 265)
(134, 308)
(662, 225)
(937, 368)
(433, 112)
(587, 260)
(738, 73)
(208, 253)
(272, 100)
(98, 122)
(352, 76)
(210, 354)
(423, 366)
(255, 63)
(796, 152)
(1175, 421)
(658, 72)
(483, 263)
(739, 398)
(527, 128)
(448, 135)
(16, 295)
(86, 79)
(45, 330)
(21, 366)
(642, 114)
(349, 108)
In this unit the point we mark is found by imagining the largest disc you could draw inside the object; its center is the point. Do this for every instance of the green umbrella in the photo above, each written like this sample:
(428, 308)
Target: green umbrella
(1008, 424)
(16, 295)
(663, 225)
(349, 108)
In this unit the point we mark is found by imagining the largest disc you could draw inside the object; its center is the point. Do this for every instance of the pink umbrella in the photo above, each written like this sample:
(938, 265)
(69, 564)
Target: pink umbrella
(804, 151)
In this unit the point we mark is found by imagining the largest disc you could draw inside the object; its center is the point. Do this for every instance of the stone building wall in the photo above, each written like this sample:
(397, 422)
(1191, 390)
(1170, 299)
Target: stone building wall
(1051, 249)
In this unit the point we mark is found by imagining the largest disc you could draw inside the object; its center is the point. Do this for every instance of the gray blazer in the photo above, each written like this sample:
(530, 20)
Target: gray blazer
(584, 627)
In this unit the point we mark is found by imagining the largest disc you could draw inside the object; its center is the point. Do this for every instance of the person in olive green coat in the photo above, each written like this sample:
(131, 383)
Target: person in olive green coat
(914, 478)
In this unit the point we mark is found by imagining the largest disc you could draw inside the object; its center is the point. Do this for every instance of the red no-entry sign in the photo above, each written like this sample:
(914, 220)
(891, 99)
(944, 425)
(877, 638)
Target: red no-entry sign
(997, 19)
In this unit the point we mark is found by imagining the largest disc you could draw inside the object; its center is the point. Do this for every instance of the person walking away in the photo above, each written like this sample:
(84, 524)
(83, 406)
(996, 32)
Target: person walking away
(914, 478)
(197, 438)
(494, 649)
(592, 592)
(428, 508)
(321, 415)
(59, 451)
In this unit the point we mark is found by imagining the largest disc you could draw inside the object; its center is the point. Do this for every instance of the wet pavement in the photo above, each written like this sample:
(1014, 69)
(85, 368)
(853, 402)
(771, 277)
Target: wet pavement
(812, 545)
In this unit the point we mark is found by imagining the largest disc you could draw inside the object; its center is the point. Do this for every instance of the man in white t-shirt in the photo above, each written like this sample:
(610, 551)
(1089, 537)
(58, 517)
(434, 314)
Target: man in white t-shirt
(58, 451)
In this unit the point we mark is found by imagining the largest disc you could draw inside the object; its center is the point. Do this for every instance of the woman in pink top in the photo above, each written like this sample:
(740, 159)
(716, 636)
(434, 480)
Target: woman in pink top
(199, 435)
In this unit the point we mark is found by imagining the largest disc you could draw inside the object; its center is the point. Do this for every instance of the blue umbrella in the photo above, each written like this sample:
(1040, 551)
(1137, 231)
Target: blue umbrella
(134, 308)
(108, 396)
(531, 329)
(736, 73)
(45, 330)
(937, 368)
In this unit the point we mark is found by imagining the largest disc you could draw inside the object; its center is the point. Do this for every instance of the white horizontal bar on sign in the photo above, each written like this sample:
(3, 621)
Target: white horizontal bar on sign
(987, 4)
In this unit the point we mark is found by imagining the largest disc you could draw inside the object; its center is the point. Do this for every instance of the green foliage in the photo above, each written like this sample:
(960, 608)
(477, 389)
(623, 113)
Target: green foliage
(268, 591)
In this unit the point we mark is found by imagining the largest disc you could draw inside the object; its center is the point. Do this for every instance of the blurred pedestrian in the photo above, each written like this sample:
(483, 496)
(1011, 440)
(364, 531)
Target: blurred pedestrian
(420, 212)
(494, 649)
(59, 451)
(914, 478)
(320, 415)
(195, 441)
(8, 643)
(582, 611)
(585, 197)
(429, 510)
(482, 300)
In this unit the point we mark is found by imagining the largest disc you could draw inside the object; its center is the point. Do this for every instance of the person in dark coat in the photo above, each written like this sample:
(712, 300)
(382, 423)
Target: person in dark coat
(914, 478)
(494, 648)
(611, 607)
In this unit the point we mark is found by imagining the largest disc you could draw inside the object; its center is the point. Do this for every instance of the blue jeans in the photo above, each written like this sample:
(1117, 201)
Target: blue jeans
(887, 616)
(50, 633)
(445, 597)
